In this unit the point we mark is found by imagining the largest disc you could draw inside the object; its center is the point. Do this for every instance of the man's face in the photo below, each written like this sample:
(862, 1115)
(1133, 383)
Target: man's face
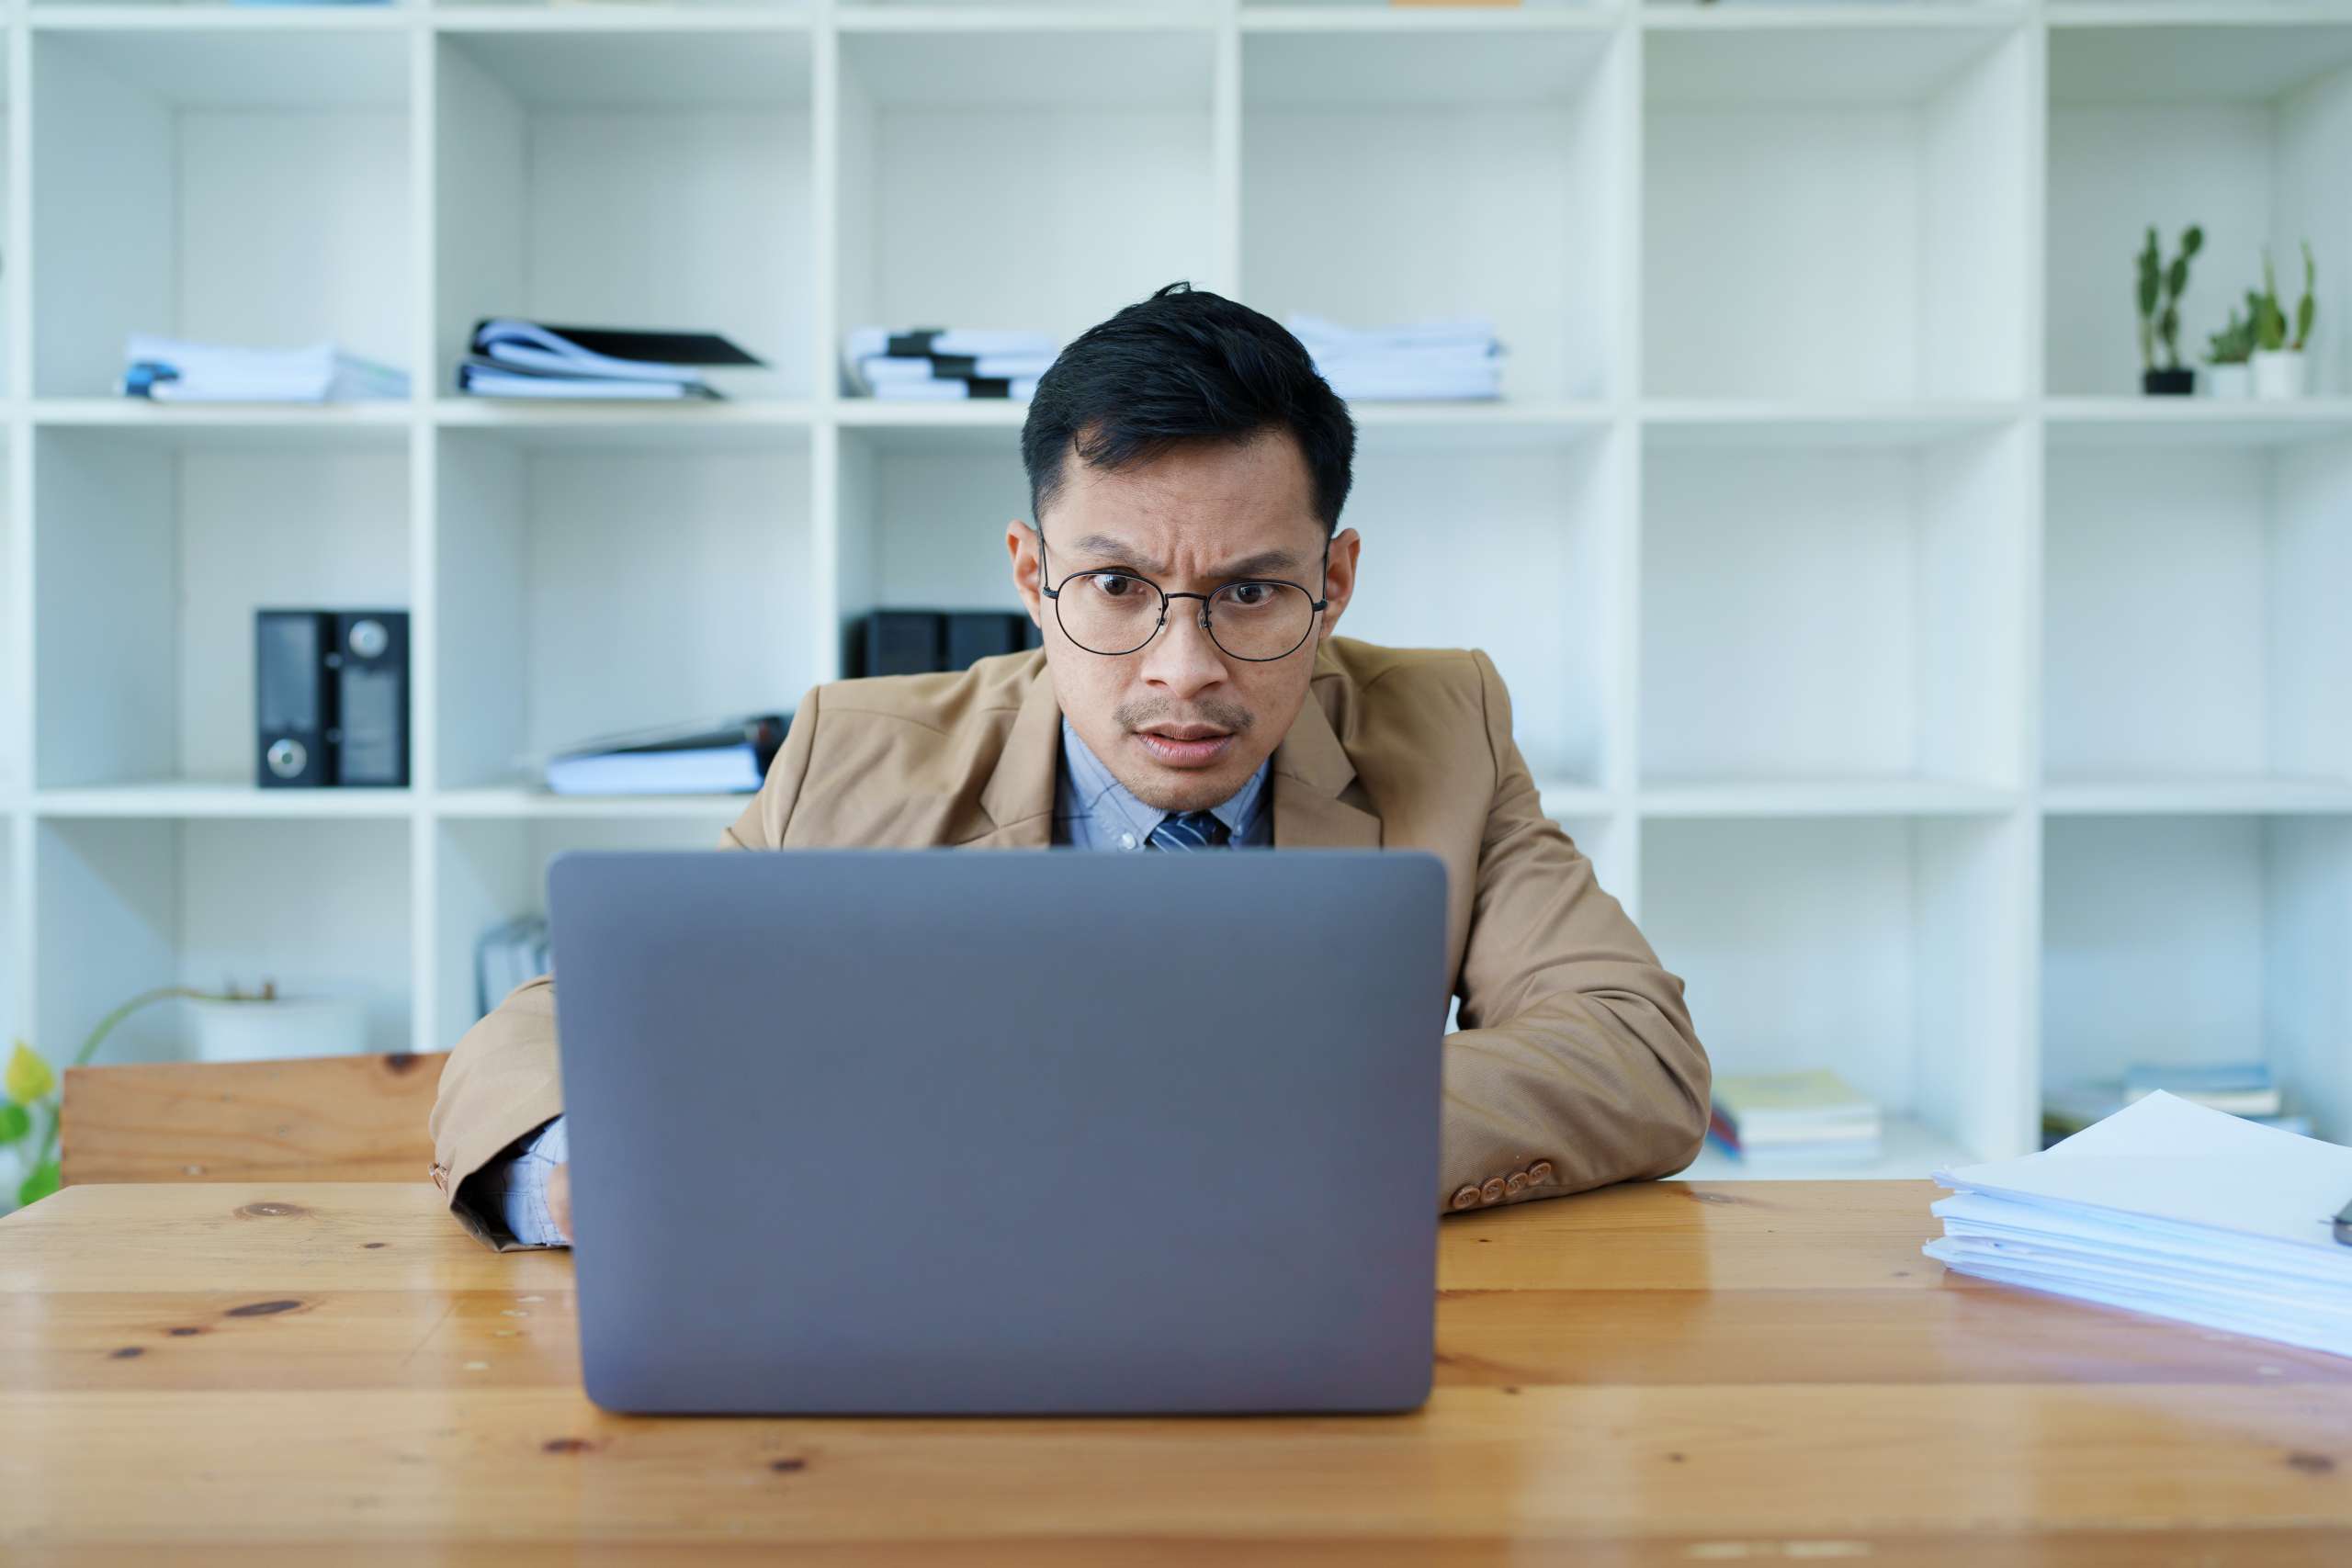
(1180, 722)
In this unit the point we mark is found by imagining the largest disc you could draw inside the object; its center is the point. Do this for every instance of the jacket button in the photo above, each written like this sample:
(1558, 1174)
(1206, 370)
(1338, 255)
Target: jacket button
(1493, 1190)
(1516, 1181)
(1468, 1198)
(1540, 1172)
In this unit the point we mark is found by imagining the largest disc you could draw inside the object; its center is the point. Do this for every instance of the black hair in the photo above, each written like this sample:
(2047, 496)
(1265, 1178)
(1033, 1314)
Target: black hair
(1185, 365)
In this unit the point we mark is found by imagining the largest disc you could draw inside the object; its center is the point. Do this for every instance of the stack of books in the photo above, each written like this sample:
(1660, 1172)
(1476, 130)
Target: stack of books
(941, 364)
(2169, 1208)
(723, 757)
(2238, 1088)
(505, 957)
(512, 358)
(1436, 360)
(173, 370)
(1792, 1118)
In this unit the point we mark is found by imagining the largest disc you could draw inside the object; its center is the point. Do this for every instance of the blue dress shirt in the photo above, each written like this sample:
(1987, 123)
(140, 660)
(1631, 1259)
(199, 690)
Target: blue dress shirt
(1092, 810)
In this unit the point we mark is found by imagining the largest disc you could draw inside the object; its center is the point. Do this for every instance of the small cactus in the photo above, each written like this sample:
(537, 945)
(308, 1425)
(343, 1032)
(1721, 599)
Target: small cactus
(2160, 288)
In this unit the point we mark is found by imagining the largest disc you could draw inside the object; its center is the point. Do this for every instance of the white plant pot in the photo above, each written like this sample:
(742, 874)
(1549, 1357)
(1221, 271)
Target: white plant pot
(2277, 375)
(2232, 383)
(279, 1029)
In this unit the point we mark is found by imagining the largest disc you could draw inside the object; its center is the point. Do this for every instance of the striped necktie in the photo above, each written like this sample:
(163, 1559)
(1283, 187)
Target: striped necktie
(1188, 830)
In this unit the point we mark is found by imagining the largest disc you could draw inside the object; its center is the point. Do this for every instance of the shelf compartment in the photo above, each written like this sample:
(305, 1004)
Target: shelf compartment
(924, 513)
(493, 871)
(686, 155)
(587, 588)
(2192, 614)
(232, 185)
(1835, 612)
(1890, 951)
(319, 907)
(1477, 165)
(2244, 130)
(1112, 134)
(154, 548)
(2193, 941)
(1836, 212)
(1540, 591)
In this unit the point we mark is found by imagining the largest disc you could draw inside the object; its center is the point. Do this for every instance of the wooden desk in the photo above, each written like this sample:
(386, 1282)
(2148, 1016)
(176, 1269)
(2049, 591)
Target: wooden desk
(1662, 1374)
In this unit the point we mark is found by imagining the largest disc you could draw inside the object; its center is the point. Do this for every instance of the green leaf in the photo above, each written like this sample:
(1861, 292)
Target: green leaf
(15, 1122)
(40, 1184)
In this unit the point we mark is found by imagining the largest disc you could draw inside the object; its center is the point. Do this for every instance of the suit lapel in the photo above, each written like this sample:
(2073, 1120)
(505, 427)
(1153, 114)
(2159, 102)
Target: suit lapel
(1019, 795)
(1311, 771)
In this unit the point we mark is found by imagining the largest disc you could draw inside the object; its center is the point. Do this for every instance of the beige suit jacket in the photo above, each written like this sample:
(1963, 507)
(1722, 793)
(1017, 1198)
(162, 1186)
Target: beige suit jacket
(1574, 1065)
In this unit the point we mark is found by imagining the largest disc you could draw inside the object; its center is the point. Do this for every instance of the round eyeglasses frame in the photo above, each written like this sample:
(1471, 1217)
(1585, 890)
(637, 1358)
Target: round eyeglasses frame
(1315, 606)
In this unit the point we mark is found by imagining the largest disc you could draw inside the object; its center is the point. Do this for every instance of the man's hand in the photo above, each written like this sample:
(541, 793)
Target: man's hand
(560, 1199)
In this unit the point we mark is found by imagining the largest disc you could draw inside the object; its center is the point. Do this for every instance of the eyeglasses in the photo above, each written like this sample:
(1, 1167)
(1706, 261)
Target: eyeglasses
(1257, 620)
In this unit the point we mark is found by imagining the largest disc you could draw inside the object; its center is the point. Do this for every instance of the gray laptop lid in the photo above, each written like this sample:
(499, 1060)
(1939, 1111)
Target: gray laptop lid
(932, 1131)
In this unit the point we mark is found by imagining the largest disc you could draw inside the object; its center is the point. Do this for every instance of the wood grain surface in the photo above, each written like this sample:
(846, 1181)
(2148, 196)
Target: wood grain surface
(311, 1119)
(1659, 1373)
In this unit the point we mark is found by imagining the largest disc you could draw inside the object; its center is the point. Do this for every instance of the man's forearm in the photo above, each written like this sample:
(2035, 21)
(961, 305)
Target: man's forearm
(1600, 1086)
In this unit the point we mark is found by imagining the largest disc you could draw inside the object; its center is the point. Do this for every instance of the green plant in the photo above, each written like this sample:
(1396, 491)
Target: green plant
(2271, 317)
(2234, 345)
(2161, 286)
(30, 1089)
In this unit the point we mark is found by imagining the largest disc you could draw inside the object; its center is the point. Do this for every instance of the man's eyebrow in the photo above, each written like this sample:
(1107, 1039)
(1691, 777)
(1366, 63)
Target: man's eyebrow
(1109, 548)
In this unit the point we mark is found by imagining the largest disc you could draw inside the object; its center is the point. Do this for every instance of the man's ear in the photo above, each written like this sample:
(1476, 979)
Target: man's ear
(1339, 579)
(1021, 544)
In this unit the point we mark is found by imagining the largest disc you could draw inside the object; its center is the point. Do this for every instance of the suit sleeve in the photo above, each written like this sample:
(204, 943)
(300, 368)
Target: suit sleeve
(503, 1080)
(1576, 1048)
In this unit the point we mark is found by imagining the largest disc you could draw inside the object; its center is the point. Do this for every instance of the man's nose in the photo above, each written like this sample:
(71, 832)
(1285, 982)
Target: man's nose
(1184, 658)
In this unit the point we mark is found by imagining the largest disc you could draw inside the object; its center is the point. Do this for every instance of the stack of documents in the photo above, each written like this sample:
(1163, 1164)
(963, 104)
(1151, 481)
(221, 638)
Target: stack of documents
(938, 364)
(1792, 1118)
(172, 370)
(727, 756)
(1418, 359)
(2170, 1208)
(531, 359)
(506, 956)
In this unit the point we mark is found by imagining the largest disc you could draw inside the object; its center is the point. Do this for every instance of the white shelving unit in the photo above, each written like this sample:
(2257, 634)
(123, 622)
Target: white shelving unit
(1947, 714)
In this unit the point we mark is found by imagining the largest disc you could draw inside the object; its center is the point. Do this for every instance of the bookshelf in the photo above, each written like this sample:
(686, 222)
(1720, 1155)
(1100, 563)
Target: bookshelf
(1949, 715)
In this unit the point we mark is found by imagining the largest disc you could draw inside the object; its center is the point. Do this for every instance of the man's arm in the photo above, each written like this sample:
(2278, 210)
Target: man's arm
(502, 1079)
(1576, 1049)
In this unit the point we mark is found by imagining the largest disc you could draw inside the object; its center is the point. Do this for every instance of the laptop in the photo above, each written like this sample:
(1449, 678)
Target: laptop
(926, 1132)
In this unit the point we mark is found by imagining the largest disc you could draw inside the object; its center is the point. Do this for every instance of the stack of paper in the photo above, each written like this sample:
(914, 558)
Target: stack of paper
(532, 360)
(2170, 1208)
(173, 370)
(1765, 1118)
(1449, 359)
(939, 364)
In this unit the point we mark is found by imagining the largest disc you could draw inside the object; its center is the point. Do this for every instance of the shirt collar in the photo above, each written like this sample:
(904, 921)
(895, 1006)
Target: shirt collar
(1097, 792)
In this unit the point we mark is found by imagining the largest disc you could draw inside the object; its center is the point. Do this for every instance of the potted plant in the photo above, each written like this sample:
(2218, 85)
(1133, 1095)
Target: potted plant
(2277, 357)
(2227, 374)
(2159, 296)
(29, 1109)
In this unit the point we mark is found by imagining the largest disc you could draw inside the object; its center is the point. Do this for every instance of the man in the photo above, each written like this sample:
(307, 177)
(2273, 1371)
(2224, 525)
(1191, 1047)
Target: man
(1187, 468)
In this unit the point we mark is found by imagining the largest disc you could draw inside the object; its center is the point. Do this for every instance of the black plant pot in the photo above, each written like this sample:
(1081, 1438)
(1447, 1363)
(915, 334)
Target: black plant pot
(2178, 383)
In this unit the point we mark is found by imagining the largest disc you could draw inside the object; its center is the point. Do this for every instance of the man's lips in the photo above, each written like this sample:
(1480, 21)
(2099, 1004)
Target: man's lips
(1185, 745)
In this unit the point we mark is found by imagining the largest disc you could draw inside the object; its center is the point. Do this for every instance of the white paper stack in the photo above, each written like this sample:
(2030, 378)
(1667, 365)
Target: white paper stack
(947, 364)
(173, 370)
(2169, 1208)
(1435, 359)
